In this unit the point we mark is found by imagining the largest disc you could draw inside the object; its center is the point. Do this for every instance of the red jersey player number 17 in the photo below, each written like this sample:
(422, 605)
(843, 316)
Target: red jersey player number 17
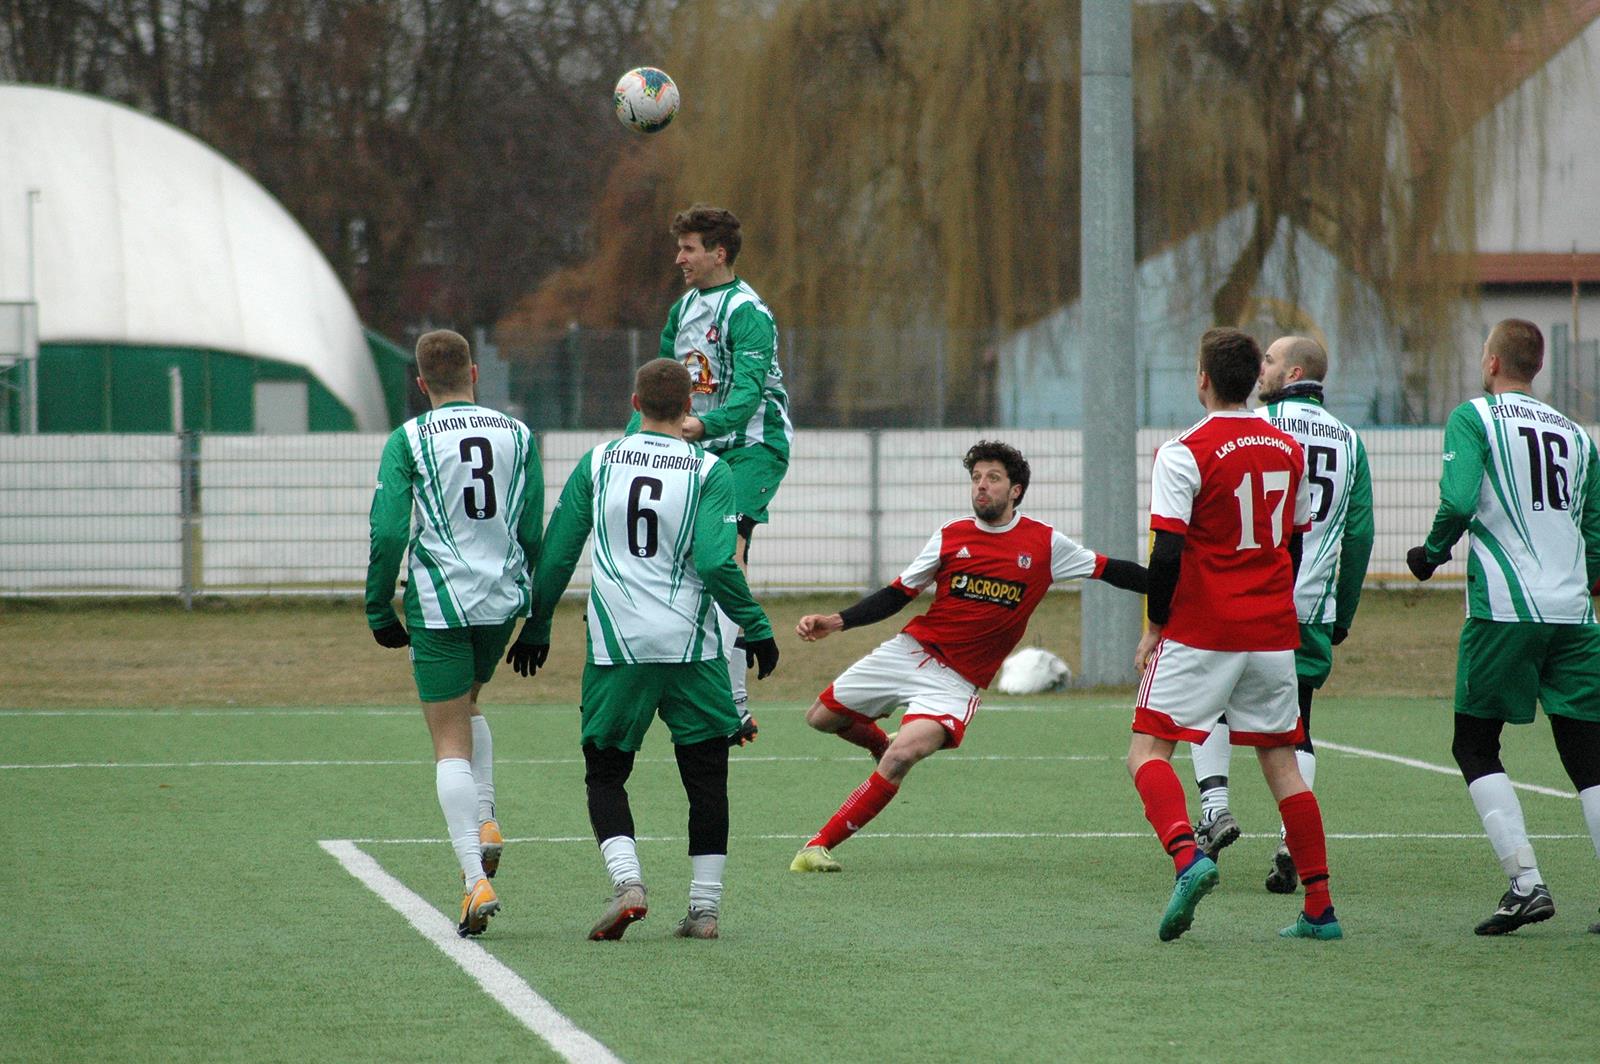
(1234, 487)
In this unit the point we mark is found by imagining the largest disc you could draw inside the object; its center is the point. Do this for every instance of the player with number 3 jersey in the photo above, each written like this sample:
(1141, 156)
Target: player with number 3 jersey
(1228, 507)
(460, 488)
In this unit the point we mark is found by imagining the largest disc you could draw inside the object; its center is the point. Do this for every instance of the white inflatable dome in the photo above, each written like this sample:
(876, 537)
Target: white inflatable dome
(144, 235)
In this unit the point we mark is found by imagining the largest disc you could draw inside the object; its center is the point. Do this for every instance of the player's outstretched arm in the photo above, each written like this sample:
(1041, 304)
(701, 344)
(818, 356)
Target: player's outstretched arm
(1130, 576)
(882, 603)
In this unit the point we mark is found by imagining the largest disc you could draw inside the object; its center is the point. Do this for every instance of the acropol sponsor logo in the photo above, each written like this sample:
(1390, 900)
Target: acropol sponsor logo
(990, 589)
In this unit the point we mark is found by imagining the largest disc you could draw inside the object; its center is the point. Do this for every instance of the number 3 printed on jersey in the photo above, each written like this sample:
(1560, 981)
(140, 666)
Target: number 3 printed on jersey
(1272, 484)
(479, 499)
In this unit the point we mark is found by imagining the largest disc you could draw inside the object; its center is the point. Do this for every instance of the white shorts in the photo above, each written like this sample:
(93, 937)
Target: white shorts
(1186, 690)
(901, 672)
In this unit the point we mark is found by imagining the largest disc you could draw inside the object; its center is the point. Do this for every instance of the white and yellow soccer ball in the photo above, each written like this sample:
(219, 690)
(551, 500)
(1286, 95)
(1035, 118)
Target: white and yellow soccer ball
(646, 99)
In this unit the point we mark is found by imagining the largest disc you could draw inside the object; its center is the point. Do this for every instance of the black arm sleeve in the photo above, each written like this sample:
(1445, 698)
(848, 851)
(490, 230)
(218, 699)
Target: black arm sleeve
(1165, 558)
(1130, 576)
(1297, 542)
(884, 602)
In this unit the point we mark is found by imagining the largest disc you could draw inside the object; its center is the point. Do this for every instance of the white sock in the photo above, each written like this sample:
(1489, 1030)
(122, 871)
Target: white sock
(705, 880)
(736, 662)
(1502, 822)
(1590, 800)
(483, 766)
(622, 860)
(1214, 756)
(1308, 767)
(458, 797)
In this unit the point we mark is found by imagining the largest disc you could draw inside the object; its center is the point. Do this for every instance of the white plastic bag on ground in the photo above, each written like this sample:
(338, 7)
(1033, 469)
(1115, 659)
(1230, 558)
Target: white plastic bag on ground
(1032, 670)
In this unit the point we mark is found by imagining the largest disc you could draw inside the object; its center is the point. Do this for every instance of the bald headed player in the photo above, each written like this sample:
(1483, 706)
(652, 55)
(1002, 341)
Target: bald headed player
(1328, 587)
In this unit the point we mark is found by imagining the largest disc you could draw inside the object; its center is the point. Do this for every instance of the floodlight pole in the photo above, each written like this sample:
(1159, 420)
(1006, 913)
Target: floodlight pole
(1111, 617)
(31, 328)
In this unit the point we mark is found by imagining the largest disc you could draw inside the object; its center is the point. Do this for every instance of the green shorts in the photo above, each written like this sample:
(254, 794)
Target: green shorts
(620, 701)
(446, 662)
(1314, 660)
(1505, 667)
(757, 472)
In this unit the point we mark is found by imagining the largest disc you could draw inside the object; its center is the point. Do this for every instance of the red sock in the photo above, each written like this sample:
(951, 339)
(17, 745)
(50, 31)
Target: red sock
(864, 803)
(867, 734)
(1302, 825)
(1167, 810)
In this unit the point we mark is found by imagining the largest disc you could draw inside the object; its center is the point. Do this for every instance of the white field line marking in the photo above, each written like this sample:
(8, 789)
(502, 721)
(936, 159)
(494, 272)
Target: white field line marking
(497, 980)
(1347, 837)
(735, 760)
(1428, 766)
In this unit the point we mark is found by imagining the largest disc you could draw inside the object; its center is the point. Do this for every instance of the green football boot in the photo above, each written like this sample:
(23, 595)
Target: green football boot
(1304, 927)
(1198, 880)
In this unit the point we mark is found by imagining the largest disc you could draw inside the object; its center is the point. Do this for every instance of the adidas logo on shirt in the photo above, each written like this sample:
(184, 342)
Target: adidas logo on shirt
(963, 553)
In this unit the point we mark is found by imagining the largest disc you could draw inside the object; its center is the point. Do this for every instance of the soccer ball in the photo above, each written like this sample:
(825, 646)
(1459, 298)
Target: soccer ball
(646, 99)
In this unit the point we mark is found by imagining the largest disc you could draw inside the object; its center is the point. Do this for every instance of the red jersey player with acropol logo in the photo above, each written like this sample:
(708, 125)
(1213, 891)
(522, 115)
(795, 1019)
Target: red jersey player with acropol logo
(989, 572)
(1228, 504)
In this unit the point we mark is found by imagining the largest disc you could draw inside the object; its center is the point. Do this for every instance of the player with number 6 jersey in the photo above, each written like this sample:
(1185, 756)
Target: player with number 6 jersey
(662, 514)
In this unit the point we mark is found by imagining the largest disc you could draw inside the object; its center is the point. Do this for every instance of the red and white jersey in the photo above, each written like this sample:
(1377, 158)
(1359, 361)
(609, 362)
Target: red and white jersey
(989, 581)
(1234, 487)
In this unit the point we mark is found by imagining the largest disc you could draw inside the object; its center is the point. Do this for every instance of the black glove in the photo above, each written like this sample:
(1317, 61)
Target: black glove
(1339, 635)
(526, 659)
(764, 651)
(1417, 561)
(747, 729)
(392, 635)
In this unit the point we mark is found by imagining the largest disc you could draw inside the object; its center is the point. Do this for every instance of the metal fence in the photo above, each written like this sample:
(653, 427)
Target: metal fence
(220, 514)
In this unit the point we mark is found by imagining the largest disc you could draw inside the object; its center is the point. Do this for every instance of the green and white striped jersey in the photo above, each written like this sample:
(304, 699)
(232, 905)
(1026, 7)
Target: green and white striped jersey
(462, 487)
(1334, 554)
(662, 515)
(1520, 478)
(728, 339)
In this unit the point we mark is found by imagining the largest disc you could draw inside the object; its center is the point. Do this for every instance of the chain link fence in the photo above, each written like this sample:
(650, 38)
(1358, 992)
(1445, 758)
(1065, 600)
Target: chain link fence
(230, 515)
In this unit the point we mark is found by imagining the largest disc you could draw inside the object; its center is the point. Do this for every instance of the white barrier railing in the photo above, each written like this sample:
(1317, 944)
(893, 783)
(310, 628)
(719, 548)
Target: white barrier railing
(233, 514)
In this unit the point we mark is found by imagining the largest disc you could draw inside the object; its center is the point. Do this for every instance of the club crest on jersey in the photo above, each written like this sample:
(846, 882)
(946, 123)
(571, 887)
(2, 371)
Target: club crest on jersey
(713, 334)
(1024, 561)
(699, 367)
